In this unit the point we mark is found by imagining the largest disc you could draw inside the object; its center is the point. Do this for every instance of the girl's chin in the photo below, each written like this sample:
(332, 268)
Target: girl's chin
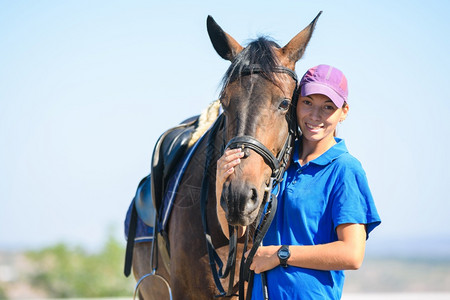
(316, 137)
(311, 137)
(312, 132)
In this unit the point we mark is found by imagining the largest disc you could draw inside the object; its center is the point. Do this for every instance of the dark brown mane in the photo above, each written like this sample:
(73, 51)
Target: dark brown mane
(258, 52)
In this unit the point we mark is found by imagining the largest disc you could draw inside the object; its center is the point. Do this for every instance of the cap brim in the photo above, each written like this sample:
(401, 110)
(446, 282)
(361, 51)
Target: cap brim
(311, 88)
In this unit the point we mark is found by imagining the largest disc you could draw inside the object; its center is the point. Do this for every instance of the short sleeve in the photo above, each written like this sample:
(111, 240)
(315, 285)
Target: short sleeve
(352, 200)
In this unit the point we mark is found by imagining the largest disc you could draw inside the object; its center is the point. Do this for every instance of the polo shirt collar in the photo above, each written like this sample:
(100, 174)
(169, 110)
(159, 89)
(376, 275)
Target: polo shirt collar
(331, 154)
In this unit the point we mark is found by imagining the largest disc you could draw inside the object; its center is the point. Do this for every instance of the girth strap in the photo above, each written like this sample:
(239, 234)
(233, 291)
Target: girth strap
(130, 241)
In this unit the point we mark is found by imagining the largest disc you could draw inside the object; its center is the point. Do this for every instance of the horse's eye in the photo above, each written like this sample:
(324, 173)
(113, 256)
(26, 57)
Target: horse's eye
(284, 104)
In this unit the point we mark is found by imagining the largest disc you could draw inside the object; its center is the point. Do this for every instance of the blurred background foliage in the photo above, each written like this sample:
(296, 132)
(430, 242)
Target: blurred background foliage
(62, 271)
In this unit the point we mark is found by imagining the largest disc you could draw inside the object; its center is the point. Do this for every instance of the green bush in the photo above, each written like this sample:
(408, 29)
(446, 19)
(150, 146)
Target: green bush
(64, 271)
(2, 293)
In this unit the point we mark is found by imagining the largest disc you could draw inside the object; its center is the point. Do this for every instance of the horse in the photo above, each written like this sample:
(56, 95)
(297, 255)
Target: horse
(258, 98)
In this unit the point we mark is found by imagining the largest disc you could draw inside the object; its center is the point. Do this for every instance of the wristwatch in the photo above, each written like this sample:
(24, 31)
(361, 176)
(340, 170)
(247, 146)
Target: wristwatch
(283, 255)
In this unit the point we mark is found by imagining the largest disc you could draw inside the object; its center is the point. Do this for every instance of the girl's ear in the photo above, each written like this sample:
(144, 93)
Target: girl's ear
(345, 110)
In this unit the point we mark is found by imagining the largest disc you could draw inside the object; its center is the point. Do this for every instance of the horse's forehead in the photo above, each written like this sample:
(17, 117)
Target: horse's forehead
(252, 102)
(255, 117)
(257, 85)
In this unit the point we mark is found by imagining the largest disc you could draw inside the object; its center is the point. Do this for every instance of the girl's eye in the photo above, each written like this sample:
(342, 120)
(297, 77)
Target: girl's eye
(306, 102)
(284, 105)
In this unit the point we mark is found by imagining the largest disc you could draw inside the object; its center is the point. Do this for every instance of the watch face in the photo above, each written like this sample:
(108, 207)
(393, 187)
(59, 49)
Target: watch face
(284, 253)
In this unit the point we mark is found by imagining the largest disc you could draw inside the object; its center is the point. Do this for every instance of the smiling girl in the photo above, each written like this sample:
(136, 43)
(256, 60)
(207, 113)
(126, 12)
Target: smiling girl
(325, 207)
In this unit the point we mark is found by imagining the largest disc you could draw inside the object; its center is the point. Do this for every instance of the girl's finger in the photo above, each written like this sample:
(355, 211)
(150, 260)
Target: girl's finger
(233, 153)
(234, 156)
(229, 151)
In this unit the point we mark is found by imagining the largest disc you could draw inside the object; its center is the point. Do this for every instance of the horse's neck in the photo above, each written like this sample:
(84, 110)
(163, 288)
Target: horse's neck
(214, 147)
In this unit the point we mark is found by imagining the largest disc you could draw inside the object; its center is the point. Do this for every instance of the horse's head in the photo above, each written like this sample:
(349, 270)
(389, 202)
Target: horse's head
(258, 98)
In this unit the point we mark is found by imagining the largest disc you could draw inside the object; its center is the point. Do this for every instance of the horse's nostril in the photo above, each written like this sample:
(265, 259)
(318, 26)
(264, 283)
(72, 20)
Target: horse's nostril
(250, 206)
(254, 195)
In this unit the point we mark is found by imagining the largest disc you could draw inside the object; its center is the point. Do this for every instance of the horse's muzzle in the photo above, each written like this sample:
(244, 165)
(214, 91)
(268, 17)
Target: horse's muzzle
(241, 202)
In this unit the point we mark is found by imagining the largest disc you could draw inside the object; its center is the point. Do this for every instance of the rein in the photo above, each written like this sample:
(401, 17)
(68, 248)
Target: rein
(278, 165)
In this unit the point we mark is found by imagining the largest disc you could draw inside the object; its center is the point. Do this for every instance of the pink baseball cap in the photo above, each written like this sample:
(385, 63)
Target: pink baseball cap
(325, 80)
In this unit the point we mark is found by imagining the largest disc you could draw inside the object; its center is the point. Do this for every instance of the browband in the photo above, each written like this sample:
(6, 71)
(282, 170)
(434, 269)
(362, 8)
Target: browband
(254, 69)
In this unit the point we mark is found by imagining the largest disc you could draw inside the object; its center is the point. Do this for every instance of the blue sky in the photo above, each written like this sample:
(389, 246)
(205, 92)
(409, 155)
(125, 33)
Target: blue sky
(86, 88)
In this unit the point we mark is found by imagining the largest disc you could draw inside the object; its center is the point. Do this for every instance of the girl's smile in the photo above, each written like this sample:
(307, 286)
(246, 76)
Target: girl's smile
(313, 128)
(318, 117)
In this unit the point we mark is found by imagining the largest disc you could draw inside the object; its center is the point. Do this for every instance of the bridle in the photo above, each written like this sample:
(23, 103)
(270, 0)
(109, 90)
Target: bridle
(277, 164)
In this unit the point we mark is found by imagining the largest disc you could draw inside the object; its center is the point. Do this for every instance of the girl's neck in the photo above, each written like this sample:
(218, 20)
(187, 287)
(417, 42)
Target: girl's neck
(310, 150)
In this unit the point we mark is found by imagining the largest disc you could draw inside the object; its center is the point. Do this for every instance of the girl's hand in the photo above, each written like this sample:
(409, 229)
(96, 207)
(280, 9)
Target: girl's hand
(265, 259)
(226, 164)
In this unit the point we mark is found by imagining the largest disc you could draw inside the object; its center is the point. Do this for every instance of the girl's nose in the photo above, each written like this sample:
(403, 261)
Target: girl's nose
(315, 112)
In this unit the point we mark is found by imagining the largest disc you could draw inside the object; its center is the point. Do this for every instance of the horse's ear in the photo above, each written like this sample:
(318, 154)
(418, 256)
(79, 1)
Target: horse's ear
(225, 45)
(294, 50)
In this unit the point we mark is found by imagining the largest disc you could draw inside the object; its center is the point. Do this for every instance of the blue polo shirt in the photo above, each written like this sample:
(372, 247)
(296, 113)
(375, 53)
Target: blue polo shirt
(313, 200)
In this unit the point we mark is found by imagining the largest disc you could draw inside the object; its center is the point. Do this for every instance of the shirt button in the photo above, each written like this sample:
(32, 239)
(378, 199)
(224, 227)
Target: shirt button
(299, 171)
(293, 182)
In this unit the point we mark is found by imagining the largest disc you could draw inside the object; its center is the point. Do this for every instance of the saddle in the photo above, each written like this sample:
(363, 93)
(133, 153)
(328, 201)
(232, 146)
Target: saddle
(147, 202)
(169, 149)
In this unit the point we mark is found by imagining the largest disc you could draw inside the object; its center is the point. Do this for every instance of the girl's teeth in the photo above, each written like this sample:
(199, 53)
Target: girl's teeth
(312, 127)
